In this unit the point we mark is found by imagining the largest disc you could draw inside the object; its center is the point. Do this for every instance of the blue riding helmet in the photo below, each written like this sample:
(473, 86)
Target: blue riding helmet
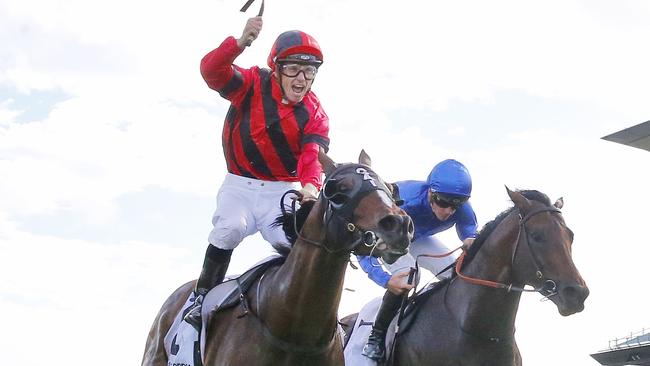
(450, 178)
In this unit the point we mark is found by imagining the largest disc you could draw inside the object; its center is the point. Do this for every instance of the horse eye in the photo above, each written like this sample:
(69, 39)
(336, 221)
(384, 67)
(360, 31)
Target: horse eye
(537, 236)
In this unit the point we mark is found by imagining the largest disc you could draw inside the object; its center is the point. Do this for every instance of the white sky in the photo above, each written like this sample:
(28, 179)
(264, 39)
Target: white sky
(110, 151)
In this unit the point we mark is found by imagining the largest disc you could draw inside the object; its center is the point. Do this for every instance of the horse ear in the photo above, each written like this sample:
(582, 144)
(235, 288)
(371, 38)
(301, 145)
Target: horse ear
(364, 158)
(559, 203)
(521, 202)
(326, 162)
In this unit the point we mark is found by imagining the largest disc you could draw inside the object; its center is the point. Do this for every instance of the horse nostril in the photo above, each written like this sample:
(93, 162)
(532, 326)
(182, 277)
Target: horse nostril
(389, 223)
(410, 227)
(575, 293)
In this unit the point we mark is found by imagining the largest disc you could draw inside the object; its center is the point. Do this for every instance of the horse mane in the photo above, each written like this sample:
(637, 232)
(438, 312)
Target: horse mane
(488, 228)
(286, 220)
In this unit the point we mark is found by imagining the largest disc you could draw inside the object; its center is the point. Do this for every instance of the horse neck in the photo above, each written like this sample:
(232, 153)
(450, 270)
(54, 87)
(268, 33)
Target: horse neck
(304, 294)
(481, 310)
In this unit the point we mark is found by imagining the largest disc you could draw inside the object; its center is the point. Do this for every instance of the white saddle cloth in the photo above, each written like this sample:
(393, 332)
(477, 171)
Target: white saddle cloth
(183, 344)
(360, 333)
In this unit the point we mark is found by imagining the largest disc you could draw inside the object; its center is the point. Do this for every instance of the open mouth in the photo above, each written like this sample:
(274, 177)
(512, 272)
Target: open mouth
(298, 89)
(390, 256)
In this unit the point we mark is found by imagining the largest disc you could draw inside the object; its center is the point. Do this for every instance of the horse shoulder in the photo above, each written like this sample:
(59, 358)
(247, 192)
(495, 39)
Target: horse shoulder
(154, 351)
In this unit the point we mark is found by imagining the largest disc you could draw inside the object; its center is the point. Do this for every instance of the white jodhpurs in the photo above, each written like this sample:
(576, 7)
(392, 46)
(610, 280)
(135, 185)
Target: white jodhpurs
(246, 206)
(425, 245)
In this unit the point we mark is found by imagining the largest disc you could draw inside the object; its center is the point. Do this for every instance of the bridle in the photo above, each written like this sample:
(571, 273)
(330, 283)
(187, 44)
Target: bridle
(548, 287)
(340, 206)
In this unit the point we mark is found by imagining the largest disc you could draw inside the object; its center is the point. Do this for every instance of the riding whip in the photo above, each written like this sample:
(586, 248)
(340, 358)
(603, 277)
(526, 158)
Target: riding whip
(259, 14)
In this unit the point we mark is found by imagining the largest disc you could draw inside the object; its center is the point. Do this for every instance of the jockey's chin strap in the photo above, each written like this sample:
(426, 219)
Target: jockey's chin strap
(548, 287)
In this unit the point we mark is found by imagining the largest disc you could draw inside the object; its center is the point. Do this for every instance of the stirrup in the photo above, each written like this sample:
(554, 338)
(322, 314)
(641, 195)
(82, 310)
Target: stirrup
(193, 316)
(375, 348)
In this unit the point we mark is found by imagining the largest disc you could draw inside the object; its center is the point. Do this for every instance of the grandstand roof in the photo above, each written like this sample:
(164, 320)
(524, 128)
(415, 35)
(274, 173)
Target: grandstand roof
(631, 350)
(636, 136)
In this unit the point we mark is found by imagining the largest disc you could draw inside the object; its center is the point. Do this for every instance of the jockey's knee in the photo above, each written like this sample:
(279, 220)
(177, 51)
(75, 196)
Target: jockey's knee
(276, 236)
(227, 234)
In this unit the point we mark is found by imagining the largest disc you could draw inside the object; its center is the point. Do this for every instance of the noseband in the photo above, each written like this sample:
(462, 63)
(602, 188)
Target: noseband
(341, 205)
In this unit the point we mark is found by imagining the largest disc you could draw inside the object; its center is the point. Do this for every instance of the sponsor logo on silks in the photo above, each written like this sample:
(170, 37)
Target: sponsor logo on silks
(366, 176)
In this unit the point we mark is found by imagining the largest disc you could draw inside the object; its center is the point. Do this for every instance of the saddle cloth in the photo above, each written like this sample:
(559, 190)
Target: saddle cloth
(360, 333)
(183, 344)
(363, 325)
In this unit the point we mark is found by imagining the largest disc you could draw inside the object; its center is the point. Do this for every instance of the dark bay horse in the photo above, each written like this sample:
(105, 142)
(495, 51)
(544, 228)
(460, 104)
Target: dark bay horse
(292, 317)
(470, 319)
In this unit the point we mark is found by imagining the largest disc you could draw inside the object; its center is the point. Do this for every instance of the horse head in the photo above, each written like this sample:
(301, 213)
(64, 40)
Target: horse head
(360, 213)
(544, 260)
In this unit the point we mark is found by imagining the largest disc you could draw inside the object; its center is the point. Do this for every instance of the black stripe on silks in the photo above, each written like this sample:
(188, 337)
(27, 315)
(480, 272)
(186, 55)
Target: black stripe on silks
(235, 82)
(302, 116)
(323, 142)
(231, 158)
(250, 148)
(274, 127)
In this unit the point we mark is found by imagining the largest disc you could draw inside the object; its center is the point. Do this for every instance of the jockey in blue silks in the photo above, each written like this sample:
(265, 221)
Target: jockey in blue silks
(435, 205)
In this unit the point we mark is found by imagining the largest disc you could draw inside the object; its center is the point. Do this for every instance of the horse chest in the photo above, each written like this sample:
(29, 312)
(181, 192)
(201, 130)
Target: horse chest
(240, 341)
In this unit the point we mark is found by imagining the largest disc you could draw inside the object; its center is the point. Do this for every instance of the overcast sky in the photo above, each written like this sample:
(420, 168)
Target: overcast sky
(110, 150)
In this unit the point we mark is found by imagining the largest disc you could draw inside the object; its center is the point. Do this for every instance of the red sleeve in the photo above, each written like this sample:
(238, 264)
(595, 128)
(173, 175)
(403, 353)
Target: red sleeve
(315, 136)
(309, 169)
(219, 72)
(318, 128)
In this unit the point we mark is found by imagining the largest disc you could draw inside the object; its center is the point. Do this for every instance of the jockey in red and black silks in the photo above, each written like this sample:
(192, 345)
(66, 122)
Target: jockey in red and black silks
(271, 138)
(267, 137)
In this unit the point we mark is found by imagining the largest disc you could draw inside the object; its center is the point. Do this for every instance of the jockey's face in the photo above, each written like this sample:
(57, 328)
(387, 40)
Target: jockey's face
(297, 86)
(442, 213)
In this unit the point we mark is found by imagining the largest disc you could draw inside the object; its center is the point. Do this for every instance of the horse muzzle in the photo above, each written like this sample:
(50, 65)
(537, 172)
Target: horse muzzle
(391, 256)
(570, 299)
(396, 231)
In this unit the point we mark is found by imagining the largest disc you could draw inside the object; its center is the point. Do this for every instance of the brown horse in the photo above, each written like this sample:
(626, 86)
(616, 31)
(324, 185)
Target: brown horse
(292, 317)
(470, 319)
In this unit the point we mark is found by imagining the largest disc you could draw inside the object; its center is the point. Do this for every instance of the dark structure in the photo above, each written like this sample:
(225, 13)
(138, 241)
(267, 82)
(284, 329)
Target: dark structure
(636, 136)
(631, 350)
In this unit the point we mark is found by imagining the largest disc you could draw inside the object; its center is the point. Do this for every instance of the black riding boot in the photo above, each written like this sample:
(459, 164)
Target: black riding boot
(214, 269)
(375, 348)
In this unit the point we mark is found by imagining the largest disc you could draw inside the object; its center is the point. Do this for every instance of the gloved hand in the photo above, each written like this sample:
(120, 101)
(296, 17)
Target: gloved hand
(308, 192)
(251, 31)
(467, 243)
(398, 283)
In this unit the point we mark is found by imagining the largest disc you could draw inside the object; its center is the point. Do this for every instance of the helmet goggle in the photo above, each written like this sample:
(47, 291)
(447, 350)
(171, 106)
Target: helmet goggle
(292, 65)
(447, 200)
(292, 70)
